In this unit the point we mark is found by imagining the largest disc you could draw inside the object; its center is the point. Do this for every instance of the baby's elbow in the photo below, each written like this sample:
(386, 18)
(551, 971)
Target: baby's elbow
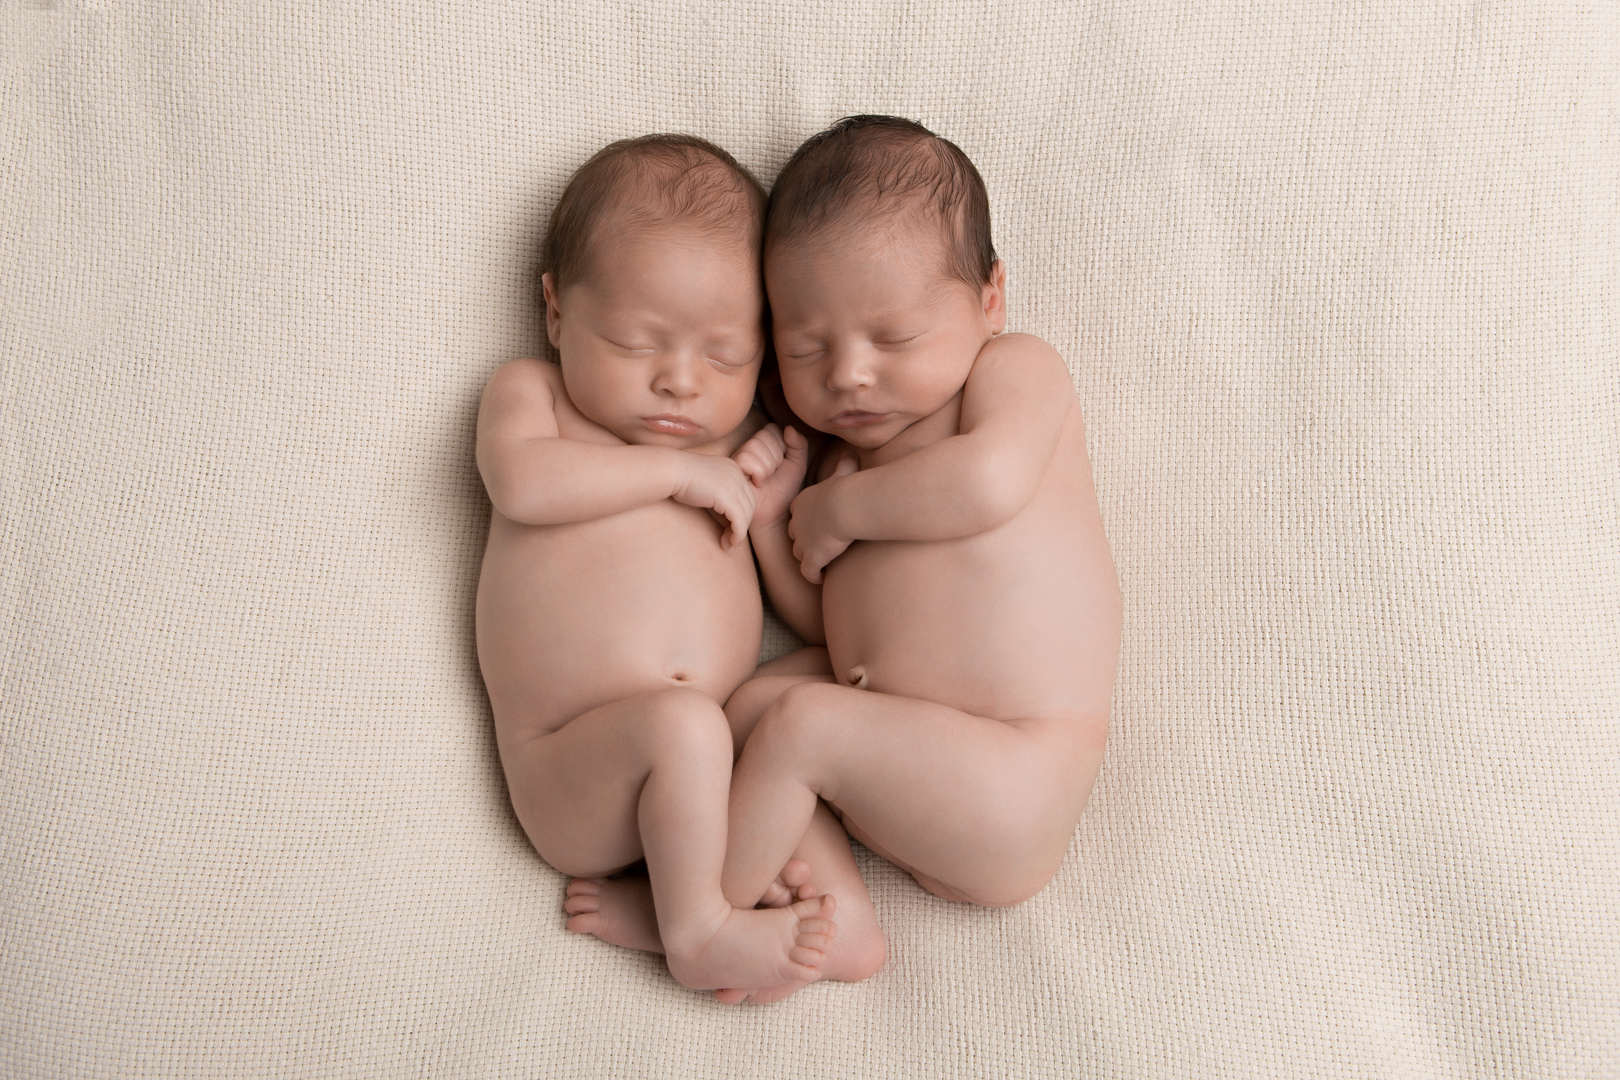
(510, 500)
(1001, 491)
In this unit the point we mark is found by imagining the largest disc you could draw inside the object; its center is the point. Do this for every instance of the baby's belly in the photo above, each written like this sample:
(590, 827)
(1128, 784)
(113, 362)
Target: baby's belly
(1018, 622)
(575, 616)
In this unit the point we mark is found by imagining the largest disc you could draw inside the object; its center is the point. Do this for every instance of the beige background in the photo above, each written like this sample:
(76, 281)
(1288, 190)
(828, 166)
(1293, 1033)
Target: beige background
(1338, 284)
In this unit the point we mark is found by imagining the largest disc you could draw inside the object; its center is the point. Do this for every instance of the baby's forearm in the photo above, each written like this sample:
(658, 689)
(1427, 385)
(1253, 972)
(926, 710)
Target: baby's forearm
(955, 487)
(796, 600)
(552, 481)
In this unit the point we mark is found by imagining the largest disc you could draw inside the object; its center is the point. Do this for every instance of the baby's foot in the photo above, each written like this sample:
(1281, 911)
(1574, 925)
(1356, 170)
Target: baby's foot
(857, 953)
(793, 883)
(765, 947)
(617, 910)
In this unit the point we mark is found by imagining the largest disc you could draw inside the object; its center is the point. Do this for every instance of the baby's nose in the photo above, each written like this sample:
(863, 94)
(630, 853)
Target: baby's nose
(850, 368)
(676, 377)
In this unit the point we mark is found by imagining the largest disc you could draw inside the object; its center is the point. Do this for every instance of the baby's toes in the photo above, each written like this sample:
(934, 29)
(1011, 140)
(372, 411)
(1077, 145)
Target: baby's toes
(816, 934)
(810, 950)
(795, 874)
(584, 896)
(776, 895)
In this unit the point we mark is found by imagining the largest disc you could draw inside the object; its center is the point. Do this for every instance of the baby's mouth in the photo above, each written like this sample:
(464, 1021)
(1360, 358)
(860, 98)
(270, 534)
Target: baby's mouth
(854, 418)
(670, 424)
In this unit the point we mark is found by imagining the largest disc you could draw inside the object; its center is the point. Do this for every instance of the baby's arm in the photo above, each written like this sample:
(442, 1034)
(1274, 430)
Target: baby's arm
(536, 477)
(775, 460)
(1013, 408)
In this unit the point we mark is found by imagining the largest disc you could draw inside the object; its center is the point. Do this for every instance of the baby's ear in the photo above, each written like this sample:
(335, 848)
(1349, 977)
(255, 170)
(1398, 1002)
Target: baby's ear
(548, 289)
(994, 297)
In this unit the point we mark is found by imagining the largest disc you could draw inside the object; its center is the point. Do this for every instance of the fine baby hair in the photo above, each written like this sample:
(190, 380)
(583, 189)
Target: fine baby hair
(646, 182)
(872, 162)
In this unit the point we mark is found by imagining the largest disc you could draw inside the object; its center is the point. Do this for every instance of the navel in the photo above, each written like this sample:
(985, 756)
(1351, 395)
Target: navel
(856, 677)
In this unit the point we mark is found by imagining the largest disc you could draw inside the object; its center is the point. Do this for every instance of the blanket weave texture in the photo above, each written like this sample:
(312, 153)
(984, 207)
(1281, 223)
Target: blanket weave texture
(1339, 285)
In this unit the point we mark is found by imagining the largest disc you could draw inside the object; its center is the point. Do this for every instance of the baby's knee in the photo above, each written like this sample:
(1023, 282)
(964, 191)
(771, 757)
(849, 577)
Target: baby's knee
(681, 720)
(796, 720)
(994, 892)
(1010, 894)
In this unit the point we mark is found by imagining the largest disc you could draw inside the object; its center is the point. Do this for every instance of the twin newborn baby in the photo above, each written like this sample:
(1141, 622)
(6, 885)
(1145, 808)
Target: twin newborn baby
(947, 560)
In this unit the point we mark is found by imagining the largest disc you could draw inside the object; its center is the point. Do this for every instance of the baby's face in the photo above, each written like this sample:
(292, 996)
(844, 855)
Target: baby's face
(871, 334)
(662, 339)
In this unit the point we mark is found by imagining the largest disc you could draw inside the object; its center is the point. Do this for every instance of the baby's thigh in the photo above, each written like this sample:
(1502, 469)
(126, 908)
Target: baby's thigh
(770, 680)
(577, 790)
(976, 809)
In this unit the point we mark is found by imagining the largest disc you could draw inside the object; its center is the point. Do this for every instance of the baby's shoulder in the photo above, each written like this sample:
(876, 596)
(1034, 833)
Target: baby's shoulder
(1017, 356)
(527, 375)
(1016, 375)
(522, 394)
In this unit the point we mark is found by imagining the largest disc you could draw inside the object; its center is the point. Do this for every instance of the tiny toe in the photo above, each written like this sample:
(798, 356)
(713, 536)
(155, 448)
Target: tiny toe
(808, 972)
(731, 997)
(805, 956)
(775, 896)
(795, 874)
(817, 907)
(583, 903)
(584, 887)
(584, 924)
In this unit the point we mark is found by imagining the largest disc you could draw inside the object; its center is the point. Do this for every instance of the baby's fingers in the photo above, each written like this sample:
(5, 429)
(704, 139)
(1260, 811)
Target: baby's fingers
(740, 512)
(797, 447)
(760, 455)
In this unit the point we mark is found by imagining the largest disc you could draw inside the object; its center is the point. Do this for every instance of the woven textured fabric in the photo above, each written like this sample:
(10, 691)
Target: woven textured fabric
(1338, 284)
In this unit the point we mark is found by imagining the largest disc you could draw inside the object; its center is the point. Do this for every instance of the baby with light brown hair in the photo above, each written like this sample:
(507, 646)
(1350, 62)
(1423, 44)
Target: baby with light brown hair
(618, 606)
(952, 556)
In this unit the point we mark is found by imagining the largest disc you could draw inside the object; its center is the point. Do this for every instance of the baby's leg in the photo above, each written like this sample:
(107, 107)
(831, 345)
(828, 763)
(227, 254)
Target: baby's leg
(976, 809)
(859, 949)
(649, 776)
(750, 700)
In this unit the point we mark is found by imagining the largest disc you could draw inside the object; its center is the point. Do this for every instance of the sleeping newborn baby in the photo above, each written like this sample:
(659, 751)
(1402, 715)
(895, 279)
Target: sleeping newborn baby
(967, 597)
(618, 606)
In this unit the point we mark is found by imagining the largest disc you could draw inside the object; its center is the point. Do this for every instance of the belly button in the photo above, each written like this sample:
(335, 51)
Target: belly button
(681, 676)
(857, 677)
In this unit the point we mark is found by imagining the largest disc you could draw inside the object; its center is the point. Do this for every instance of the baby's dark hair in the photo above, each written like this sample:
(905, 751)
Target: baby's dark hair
(652, 180)
(863, 162)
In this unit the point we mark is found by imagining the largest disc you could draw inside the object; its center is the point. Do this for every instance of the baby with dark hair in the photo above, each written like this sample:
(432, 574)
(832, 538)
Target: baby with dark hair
(951, 555)
(618, 606)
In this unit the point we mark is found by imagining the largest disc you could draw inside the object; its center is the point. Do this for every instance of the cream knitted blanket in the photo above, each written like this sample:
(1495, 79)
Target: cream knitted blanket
(1338, 283)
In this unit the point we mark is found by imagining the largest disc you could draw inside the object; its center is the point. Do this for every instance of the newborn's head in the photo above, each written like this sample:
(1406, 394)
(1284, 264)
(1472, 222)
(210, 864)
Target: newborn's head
(871, 176)
(654, 302)
(883, 280)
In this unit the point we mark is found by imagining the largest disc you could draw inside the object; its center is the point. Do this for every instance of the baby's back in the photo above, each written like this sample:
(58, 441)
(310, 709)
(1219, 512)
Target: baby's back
(1019, 621)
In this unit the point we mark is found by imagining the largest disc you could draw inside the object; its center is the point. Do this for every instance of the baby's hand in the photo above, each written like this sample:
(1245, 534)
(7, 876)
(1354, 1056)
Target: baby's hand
(775, 461)
(815, 544)
(718, 485)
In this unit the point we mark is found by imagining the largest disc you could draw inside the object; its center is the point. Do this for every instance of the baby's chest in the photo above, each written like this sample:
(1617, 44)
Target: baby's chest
(663, 546)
